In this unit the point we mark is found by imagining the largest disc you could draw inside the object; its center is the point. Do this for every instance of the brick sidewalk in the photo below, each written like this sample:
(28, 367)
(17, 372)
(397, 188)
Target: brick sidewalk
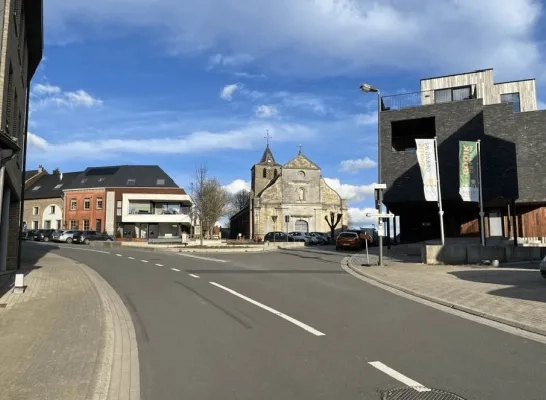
(57, 338)
(514, 296)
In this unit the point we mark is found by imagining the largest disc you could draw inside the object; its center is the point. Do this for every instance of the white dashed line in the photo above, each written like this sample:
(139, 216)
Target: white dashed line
(159, 265)
(202, 258)
(174, 269)
(271, 310)
(131, 258)
(398, 376)
(119, 255)
(194, 276)
(144, 261)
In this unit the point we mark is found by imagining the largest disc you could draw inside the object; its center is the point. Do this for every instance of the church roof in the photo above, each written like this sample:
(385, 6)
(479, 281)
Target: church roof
(301, 162)
(267, 158)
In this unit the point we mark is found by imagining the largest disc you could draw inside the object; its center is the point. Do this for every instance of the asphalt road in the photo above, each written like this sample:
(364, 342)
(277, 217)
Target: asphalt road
(294, 325)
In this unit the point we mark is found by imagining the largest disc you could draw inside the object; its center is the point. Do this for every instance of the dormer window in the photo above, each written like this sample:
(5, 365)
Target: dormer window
(452, 94)
(35, 188)
(101, 179)
(58, 186)
(84, 180)
(160, 182)
(131, 182)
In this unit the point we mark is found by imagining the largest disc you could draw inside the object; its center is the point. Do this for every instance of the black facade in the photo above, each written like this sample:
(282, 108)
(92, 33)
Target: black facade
(512, 148)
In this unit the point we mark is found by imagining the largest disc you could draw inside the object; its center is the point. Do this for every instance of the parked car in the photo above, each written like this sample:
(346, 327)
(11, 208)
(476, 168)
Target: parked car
(543, 268)
(85, 237)
(43, 235)
(64, 236)
(348, 240)
(305, 236)
(28, 234)
(280, 237)
(321, 238)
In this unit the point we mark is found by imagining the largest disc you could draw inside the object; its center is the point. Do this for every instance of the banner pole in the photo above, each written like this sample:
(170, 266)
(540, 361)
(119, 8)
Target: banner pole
(440, 208)
(482, 214)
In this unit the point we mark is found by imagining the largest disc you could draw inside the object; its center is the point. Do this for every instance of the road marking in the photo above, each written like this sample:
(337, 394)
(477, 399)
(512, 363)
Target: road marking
(159, 265)
(194, 276)
(131, 258)
(119, 255)
(202, 258)
(271, 310)
(144, 260)
(174, 269)
(398, 376)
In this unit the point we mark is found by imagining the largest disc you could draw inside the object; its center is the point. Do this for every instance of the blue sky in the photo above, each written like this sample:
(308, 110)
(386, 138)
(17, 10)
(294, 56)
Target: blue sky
(180, 83)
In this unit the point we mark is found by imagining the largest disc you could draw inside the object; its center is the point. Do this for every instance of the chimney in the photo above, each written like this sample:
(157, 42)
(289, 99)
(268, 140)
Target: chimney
(61, 176)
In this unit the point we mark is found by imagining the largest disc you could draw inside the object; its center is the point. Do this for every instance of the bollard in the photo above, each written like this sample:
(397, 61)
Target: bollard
(19, 286)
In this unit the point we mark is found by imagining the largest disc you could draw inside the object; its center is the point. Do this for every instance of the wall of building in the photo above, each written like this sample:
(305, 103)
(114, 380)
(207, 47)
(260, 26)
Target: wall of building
(526, 89)
(43, 212)
(80, 214)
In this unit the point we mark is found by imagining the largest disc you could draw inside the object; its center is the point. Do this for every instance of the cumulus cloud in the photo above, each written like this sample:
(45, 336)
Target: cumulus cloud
(356, 165)
(350, 192)
(398, 33)
(266, 111)
(229, 90)
(45, 94)
(358, 218)
(237, 185)
(45, 89)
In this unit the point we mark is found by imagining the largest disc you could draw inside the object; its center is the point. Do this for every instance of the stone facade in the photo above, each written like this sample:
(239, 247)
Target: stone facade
(38, 220)
(295, 191)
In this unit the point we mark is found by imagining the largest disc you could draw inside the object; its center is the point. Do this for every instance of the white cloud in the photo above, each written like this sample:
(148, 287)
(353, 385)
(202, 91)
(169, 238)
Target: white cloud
(37, 142)
(45, 94)
(229, 90)
(354, 166)
(345, 36)
(367, 118)
(302, 101)
(246, 137)
(233, 60)
(243, 74)
(237, 185)
(266, 111)
(350, 192)
(358, 218)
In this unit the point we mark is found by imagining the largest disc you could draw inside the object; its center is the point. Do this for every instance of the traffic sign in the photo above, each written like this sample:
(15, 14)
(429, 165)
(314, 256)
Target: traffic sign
(380, 230)
(370, 215)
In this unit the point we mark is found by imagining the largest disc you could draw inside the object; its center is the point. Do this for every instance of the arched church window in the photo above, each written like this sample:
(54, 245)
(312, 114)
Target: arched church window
(275, 173)
(264, 173)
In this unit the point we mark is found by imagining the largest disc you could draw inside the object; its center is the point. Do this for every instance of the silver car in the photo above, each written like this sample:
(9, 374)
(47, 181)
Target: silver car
(543, 268)
(64, 236)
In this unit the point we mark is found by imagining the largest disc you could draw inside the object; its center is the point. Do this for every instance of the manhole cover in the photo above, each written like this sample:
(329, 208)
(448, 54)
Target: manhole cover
(408, 393)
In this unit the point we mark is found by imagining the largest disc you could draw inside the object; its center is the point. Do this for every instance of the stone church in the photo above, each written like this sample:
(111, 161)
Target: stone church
(287, 198)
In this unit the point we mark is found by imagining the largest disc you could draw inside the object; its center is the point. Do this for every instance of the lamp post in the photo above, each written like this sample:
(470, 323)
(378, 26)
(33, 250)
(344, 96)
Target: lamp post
(366, 88)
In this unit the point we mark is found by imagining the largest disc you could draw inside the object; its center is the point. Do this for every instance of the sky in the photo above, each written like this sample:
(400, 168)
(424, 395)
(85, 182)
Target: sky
(181, 83)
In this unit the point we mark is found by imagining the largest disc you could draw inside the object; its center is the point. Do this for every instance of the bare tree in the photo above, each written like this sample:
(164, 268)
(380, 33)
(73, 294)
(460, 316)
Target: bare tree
(239, 201)
(332, 222)
(210, 200)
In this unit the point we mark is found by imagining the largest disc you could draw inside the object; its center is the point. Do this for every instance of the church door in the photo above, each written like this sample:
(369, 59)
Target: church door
(302, 226)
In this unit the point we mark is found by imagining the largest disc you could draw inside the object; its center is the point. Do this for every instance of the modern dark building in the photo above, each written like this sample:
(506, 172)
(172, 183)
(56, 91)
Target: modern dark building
(468, 106)
(21, 48)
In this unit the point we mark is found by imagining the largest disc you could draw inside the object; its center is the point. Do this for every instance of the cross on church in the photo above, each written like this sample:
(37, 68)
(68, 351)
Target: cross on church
(267, 137)
(299, 148)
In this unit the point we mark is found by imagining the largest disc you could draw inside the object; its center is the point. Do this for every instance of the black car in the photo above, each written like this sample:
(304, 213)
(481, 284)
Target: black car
(43, 235)
(278, 237)
(87, 236)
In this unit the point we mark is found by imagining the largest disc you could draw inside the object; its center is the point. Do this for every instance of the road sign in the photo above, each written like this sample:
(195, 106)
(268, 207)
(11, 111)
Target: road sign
(370, 215)
(380, 230)
(378, 186)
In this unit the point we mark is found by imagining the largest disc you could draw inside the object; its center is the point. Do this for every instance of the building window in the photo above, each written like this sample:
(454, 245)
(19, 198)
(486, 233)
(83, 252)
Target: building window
(34, 224)
(453, 94)
(404, 132)
(73, 204)
(86, 204)
(73, 225)
(98, 225)
(52, 209)
(47, 224)
(131, 182)
(264, 173)
(99, 203)
(512, 98)
(85, 224)
(118, 208)
(59, 222)
(35, 210)
(160, 182)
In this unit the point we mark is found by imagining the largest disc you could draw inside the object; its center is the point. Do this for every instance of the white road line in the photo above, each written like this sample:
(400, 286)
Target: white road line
(398, 376)
(83, 249)
(194, 276)
(271, 310)
(202, 258)
(131, 258)
(144, 261)
(119, 255)
(159, 265)
(174, 269)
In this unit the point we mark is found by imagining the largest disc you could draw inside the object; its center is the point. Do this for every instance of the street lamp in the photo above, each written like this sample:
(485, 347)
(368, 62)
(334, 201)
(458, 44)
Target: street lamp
(366, 88)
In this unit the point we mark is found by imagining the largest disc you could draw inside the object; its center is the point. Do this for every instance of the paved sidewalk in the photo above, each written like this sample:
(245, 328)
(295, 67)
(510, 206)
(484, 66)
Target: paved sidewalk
(513, 296)
(62, 338)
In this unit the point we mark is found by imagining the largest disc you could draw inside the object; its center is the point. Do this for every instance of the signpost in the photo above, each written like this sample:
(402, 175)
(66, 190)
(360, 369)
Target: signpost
(274, 218)
(380, 230)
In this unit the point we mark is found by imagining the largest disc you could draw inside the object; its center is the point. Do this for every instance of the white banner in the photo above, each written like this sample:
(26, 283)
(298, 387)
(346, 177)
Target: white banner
(426, 157)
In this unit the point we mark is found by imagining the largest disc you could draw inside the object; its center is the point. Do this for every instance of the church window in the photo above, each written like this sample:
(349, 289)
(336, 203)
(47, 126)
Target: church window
(264, 173)
(301, 194)
(275, 173)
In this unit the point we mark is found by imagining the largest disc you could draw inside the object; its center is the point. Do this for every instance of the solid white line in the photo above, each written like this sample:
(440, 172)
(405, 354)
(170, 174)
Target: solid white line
(144, 260)
(119, 255)
(82, 249)
(131, 258)
(202, 258)
(159, 265)
(194, 276)
(174, 269)
(271, 310)
(399, 377)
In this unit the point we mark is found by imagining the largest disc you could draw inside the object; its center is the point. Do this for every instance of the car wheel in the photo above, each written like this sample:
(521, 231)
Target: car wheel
(543, 273)
(86, 241)
(68, 240)
(109, 240)
(46, 239)
(337, 248)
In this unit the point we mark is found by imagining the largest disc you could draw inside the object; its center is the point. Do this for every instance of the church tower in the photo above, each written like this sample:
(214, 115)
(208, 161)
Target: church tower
(264, 171)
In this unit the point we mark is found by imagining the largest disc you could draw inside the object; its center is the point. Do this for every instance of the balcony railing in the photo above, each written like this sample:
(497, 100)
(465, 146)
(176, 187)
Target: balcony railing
(160, 211)
(416, 99)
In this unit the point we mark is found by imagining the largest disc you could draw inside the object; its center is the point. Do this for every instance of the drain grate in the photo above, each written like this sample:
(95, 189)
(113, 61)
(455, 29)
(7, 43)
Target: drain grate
(408, 393)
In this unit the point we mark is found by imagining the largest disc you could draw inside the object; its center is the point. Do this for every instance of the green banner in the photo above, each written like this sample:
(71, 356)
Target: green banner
(469, 176)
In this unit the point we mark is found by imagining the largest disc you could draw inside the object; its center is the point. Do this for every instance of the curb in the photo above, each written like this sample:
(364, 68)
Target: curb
(448, 304)
(117, 374)
(189, 250)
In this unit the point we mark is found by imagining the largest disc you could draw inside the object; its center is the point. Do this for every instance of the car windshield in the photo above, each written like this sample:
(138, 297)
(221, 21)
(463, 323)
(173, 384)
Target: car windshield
(347, 234)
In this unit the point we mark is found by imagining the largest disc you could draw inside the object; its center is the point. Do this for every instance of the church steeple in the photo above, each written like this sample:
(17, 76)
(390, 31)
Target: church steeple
(267, 157)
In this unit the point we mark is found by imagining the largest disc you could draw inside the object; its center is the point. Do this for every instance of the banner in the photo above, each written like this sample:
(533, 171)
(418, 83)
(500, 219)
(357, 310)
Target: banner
(426, 158)
(469, 178)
